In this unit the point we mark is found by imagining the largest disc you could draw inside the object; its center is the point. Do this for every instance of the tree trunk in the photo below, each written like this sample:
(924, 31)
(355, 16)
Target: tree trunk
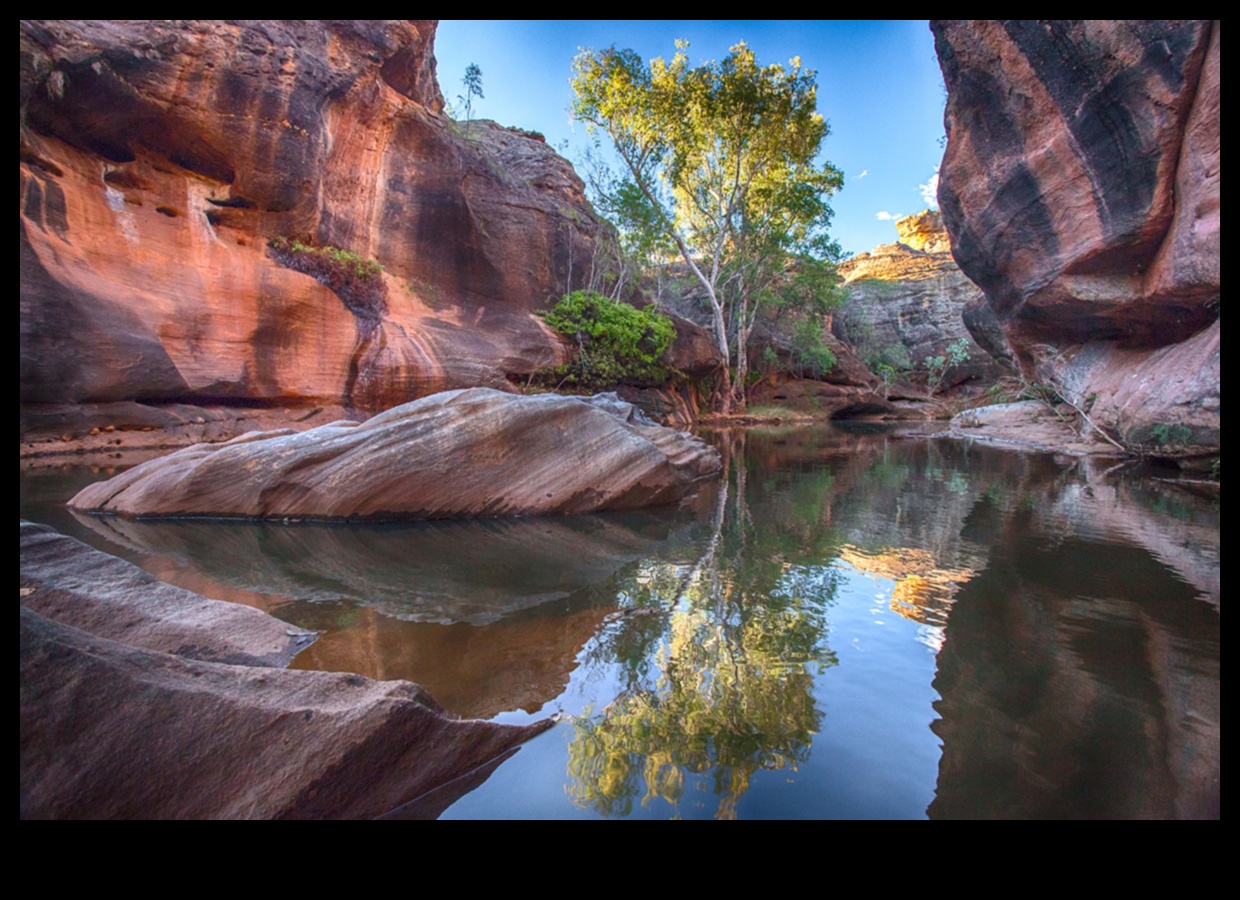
(721, 340)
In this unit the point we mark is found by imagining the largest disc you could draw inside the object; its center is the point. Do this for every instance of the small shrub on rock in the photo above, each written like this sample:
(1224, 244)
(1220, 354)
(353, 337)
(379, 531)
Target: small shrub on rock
(813, 357)
(356, 280)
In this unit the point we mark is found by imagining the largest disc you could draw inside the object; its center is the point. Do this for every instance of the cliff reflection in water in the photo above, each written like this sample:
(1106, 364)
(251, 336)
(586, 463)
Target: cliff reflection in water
(850, 625)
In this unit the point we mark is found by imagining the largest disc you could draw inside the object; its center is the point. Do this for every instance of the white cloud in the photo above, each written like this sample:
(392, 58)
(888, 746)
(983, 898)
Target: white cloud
(864, 172)
(930, 190)
(885, 216)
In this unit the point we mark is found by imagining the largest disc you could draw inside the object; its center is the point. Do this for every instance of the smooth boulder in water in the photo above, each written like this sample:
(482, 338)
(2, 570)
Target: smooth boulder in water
(464, 453)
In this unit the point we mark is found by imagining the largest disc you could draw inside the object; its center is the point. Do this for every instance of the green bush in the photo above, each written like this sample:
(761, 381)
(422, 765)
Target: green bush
(893, 356)
(937, 366)
(1163, 435)
(889, 363)
(617, 343)
(346, 262)
(813, 357)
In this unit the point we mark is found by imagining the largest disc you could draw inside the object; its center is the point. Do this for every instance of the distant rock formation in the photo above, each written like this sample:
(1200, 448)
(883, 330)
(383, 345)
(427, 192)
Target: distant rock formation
(924, 231)
(159, 159)
(1081, 188)
(127, 716)
(475, 452)
(911, 294)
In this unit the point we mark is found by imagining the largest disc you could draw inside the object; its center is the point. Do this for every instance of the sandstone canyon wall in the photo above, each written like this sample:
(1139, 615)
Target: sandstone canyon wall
(160, 159)
(912, 294)
(1081, 188)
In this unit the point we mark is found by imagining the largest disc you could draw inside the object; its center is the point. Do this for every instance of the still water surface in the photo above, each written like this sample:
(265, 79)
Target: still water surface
(849, 625)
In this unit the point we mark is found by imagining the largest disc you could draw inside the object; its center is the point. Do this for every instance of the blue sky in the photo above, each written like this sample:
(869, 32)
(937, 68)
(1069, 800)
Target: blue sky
(879, 87)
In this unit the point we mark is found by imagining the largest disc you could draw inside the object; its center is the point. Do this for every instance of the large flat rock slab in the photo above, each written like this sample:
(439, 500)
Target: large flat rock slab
(475, 452)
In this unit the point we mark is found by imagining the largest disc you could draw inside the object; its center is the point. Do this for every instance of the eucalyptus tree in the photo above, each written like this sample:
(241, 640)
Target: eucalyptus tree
(722, 160)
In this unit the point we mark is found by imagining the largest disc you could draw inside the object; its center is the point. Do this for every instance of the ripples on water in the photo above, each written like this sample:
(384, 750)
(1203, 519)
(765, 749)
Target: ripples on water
(849, 625)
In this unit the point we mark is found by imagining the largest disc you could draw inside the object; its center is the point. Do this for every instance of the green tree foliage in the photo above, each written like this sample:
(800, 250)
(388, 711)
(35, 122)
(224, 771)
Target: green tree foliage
(937, 366)
(721, 161)
(638, 246)
(808, 287)
(794, 317)
(616, 343)
(890, 363)
(812, 356)
(473, 88)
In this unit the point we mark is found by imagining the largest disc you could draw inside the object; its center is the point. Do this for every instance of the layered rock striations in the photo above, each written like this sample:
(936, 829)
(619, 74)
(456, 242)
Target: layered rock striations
(159, 160)
(475, 452)
(910, 294)
(1081, 188)
(180, 708)
(88, 590)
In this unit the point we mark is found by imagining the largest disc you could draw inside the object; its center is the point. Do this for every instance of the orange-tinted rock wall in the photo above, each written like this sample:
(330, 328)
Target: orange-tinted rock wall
(158, 160)
(1081, 188)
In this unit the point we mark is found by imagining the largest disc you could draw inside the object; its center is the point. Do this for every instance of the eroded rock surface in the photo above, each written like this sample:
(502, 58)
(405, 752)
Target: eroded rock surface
(159, 159)
(1031, 424)
(474, 452)
(1081, 187)
(911, 294)
(121, 717)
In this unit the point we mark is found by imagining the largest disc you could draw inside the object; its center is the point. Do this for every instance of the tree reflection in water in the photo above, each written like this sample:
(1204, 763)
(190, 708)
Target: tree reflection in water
(718, 662)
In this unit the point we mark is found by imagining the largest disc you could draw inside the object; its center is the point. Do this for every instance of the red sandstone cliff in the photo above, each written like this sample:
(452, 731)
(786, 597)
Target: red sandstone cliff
(1081, 188)
(158, 159)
